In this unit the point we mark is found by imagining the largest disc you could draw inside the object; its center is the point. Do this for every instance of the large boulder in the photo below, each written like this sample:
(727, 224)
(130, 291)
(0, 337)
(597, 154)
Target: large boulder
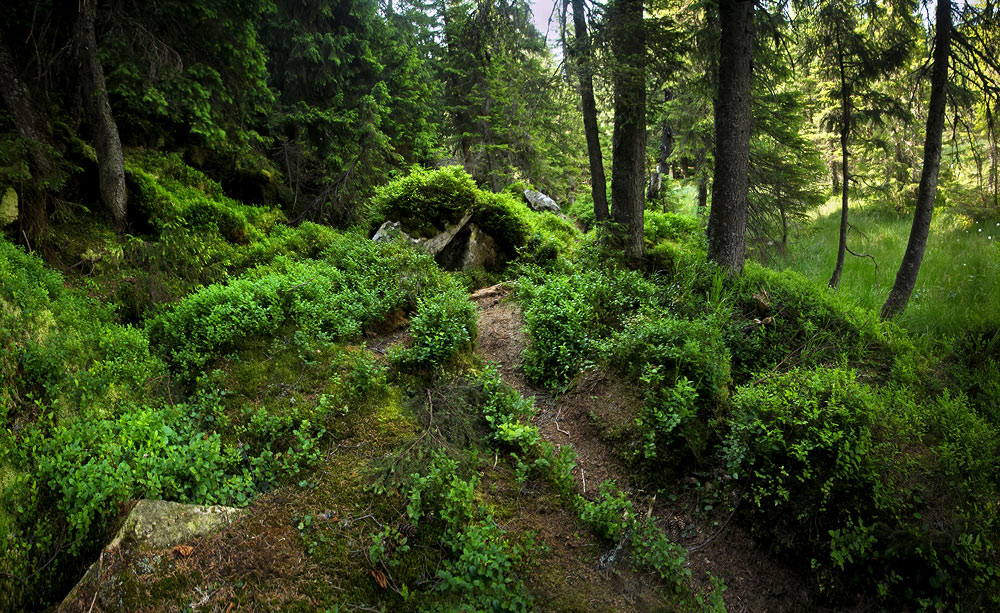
(152, 525)
(540, 202)
(460, 246)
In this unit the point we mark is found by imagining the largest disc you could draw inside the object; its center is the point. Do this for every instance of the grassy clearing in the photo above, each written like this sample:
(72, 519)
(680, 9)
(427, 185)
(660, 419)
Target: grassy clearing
(959, 284)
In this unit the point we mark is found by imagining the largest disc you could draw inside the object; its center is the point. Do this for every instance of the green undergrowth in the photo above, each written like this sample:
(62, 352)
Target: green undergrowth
(878, 488)
(354, 284)
(184, 233)
(869, 461)
(231, 391)
(958, 288)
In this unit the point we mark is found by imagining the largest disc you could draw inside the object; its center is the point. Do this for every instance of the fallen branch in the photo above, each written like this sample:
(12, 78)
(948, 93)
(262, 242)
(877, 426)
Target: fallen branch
(728, 519)
(865, 255)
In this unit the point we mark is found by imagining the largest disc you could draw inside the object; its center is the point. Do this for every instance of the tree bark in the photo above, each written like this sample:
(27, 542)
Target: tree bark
(110, 159)
(22, 108)
(666, 148)
(906, 277)
(32, 126)
(702, 194)
(845, 134)
(629, 141)
(581, 55)
(727, 221)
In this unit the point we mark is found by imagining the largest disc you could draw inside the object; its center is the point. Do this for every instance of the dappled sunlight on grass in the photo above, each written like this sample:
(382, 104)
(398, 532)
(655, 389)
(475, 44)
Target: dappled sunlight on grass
(959, 283)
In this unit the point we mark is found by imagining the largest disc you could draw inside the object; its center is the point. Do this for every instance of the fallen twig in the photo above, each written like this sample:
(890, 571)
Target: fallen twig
(721, 529)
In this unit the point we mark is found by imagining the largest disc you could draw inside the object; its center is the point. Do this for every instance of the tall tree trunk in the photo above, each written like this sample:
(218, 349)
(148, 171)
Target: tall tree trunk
(629, 142)
(33, 128)
(727, 221)
(666, 148)
(906, 278)
(835, 176)
(581, 55)
(845, 135)
(22, 109)
(702, 194)
(784, 223)
(110, 159)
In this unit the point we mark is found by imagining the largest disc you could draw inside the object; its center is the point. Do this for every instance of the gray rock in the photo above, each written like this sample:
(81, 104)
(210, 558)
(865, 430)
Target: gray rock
(437, 244)
(389, 230)
(480, 251)
(152, 525)
(158, 524)
(540, 202)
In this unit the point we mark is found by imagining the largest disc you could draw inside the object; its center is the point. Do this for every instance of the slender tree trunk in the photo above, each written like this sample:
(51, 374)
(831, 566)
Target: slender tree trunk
(629, 141)
(784, 224)
(991, 135)
(581, 55)
(845, 135)
(835, 176)
(702, 194)
(110, 159)
(906, 278)
(727, 221)
(666, 148)
(662, 168)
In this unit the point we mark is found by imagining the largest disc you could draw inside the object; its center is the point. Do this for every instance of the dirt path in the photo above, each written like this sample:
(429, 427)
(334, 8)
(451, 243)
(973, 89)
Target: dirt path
(596, 405)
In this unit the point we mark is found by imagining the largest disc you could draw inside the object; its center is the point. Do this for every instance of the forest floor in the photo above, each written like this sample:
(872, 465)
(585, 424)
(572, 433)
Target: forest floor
(591, 410)
(273, 557)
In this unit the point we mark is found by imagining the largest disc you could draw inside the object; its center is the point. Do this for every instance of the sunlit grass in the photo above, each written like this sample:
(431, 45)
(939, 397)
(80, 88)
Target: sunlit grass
(958, 288)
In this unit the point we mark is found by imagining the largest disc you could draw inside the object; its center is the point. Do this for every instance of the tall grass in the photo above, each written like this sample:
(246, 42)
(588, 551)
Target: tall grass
(958, 288)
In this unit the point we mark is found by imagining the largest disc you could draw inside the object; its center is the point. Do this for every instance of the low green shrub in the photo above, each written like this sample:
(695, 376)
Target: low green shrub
(677, 348)
(610, 515)
(355, 284)
(445, 323)
(482, 565)
(567, 317)
(877, 489)
(425, 201)
(659, 226)
(783, 318)
(61, 347)
(684, 368)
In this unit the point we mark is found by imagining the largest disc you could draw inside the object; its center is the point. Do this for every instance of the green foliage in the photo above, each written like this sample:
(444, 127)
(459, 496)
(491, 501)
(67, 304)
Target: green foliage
(659, 226)
(168, 85)
(481, 570)
(652, 549)
(425, 201)
(62, 347)
(610, 514)
(880, 489)
(668, 349)
(445, 323)
(566, 317)
(93, 466)
(809, 326)
(355, 284)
